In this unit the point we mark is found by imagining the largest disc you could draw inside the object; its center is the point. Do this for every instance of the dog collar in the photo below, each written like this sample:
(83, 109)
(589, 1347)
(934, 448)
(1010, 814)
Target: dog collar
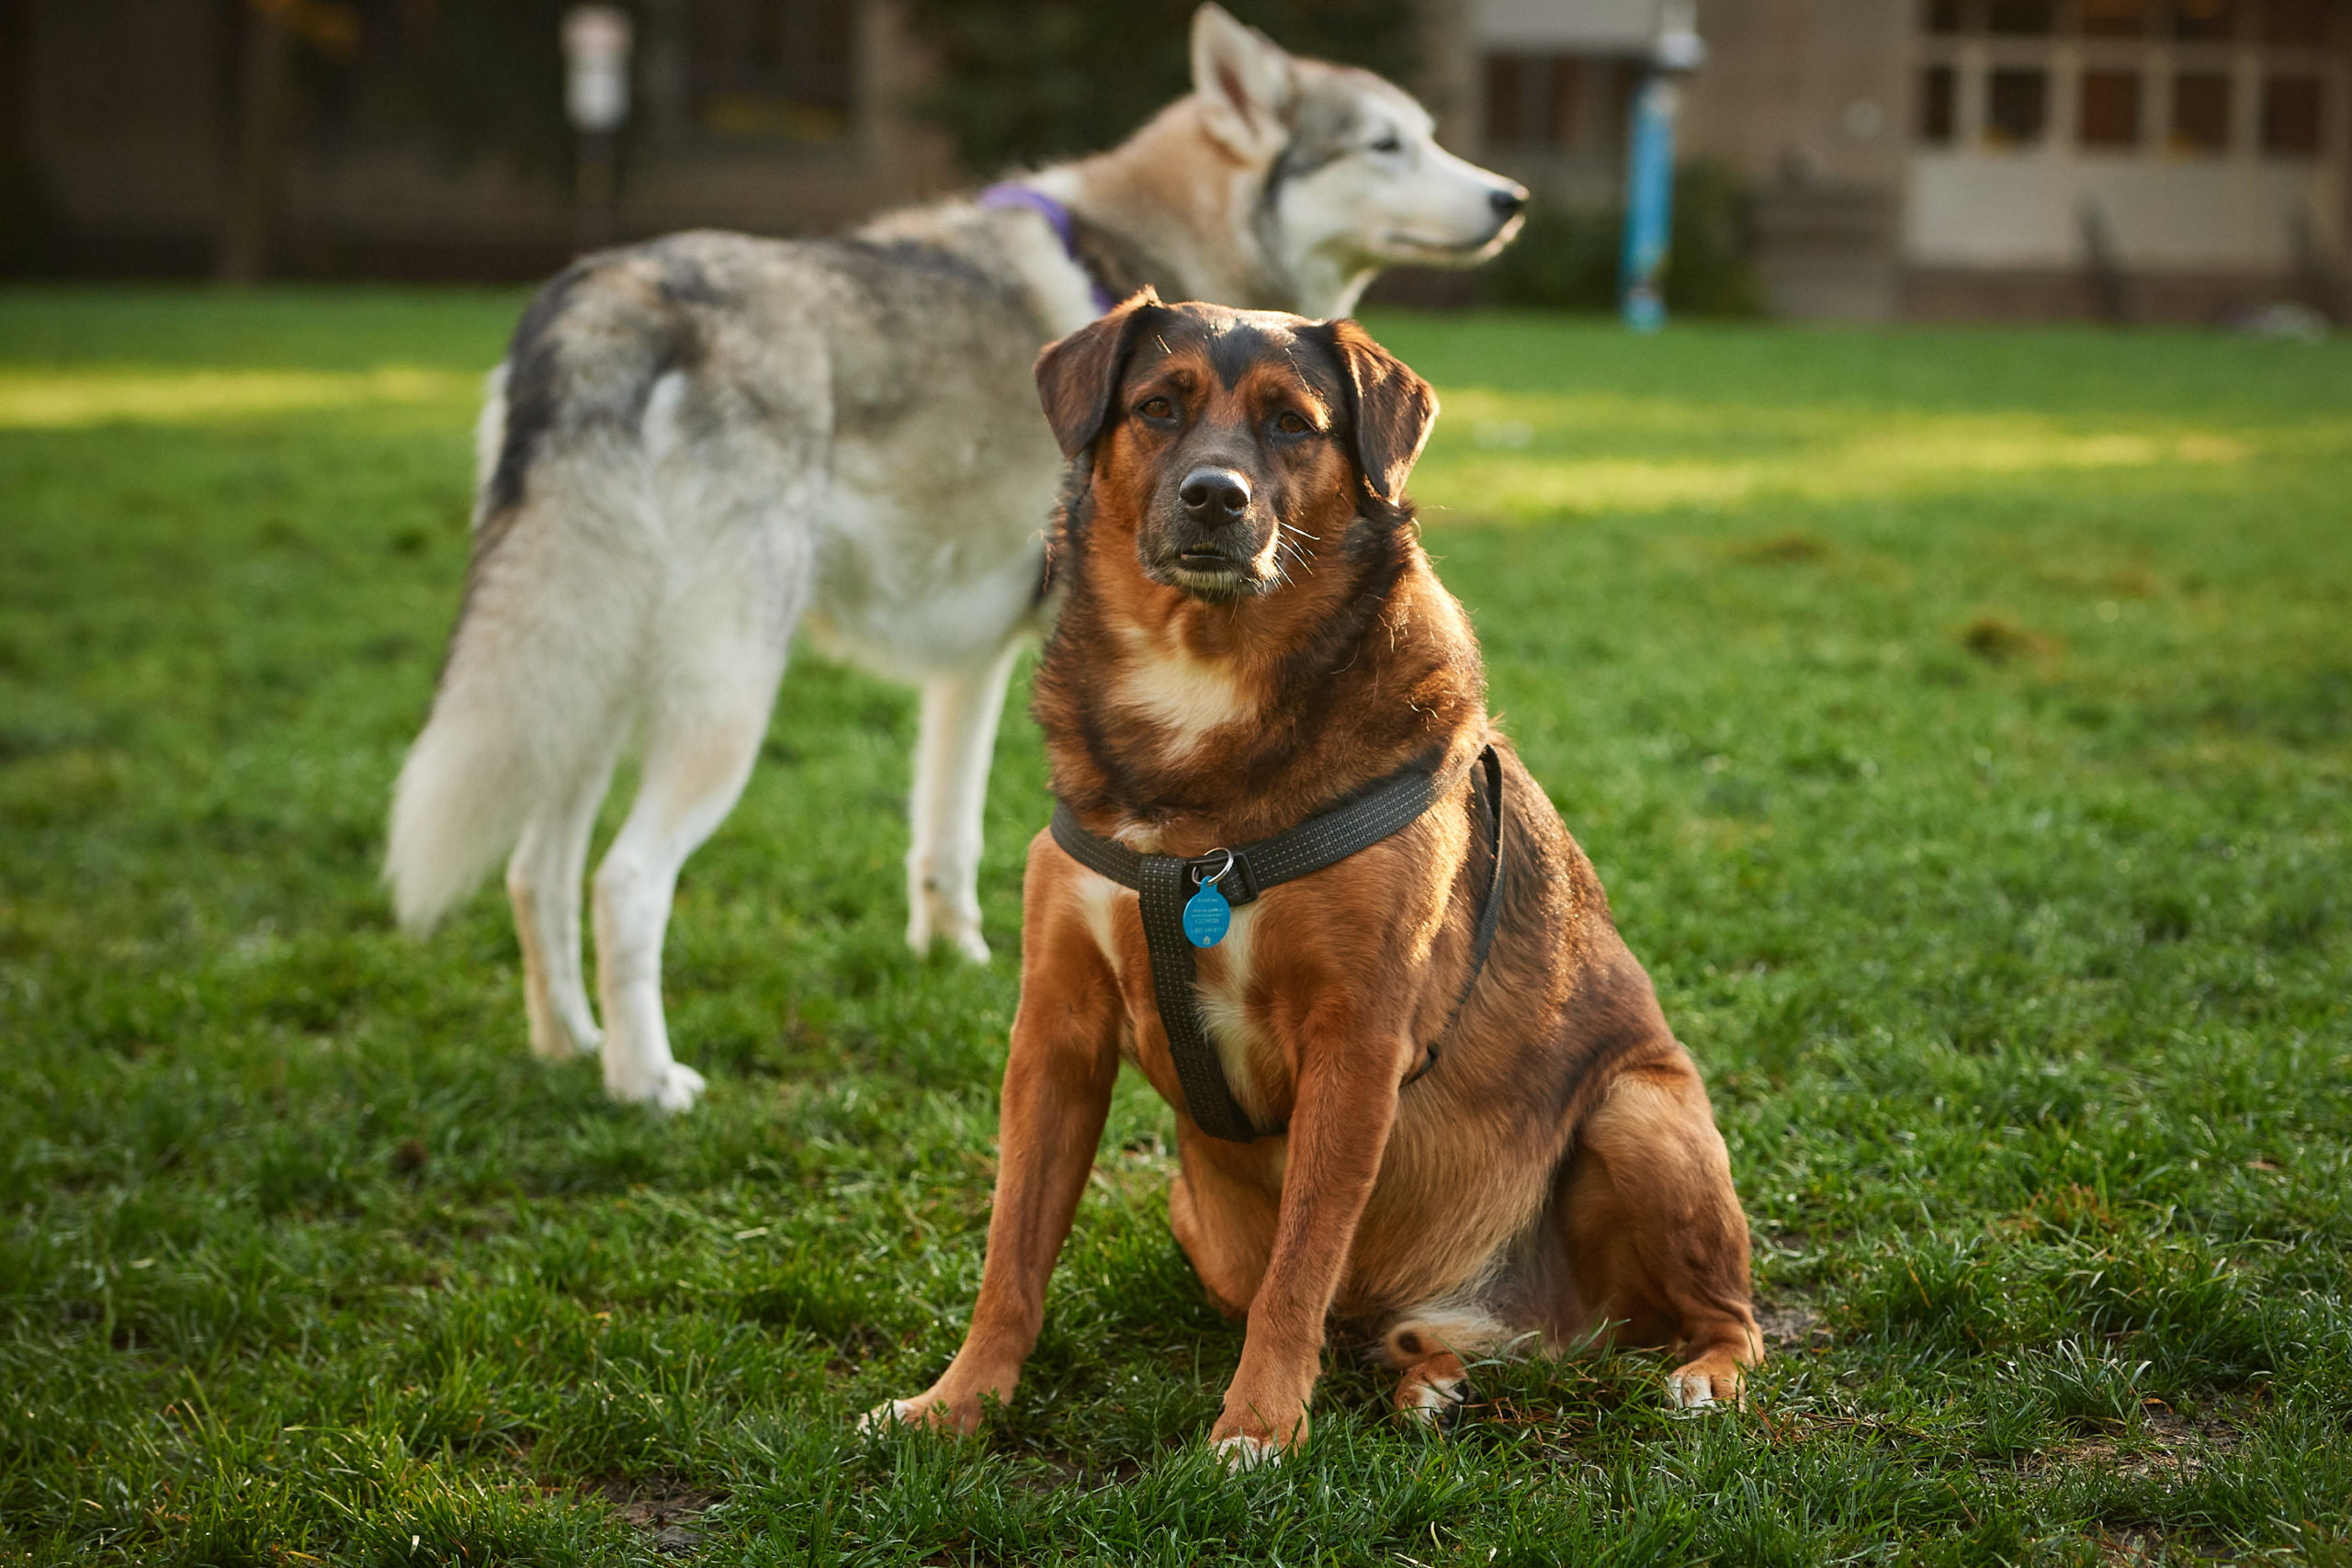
(1012, 193)
(1167, 882)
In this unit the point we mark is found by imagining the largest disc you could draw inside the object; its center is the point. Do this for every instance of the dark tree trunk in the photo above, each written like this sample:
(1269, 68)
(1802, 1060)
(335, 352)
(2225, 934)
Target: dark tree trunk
(268, 94)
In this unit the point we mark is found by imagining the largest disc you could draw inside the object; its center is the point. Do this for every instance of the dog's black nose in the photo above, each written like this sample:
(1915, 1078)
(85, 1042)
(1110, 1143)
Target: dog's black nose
(1215, 496)
(1507, 203)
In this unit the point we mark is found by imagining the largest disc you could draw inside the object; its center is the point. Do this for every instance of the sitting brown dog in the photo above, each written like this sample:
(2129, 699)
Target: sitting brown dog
(1420, 1084)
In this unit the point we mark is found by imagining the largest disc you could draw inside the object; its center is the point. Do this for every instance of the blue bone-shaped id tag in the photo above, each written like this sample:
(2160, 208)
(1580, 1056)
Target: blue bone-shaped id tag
(1207, 917)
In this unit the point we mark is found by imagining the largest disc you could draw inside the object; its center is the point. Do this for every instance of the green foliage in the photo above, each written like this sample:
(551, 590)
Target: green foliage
(1024, 81)
(2016, 968)
(1566, 258)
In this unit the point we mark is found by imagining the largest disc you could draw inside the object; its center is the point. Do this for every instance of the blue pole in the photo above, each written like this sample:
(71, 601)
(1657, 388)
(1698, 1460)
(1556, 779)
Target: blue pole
(1649, 204)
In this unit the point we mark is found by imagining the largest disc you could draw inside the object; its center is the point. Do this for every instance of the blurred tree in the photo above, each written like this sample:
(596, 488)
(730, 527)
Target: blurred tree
(1024, 81)
(266, 105)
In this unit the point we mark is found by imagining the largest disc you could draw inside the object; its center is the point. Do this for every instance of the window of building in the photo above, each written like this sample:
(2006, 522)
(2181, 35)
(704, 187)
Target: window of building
(2110, 109)
(2201, 112)
(1945, 16)
(1504, 111)
(1939, 104)
(1560, 103)
(774, 70)
(1564, 124)
(2017, 106)
(2114, 19)
(2291, 115)
(2205, 20)
(2019, 18)
(2295, 24)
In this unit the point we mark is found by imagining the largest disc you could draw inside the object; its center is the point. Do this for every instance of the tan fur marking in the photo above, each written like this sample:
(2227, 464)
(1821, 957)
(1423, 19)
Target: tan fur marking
(1225, 1004)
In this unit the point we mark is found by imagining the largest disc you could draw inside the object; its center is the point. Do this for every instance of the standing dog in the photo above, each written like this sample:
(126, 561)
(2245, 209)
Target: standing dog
(1490, 1132)
(698, 445)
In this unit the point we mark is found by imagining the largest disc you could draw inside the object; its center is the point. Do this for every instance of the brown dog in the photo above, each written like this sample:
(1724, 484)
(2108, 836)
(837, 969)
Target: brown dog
(1253, 634)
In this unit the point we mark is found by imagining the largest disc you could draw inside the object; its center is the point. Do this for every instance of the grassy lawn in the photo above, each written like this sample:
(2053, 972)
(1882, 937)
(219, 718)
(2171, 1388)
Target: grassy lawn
(1963, 725)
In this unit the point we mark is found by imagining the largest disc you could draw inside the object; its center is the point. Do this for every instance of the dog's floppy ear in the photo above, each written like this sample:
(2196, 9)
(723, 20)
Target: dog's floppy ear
(1078, 376)
(1246, 85)
(1394, 411)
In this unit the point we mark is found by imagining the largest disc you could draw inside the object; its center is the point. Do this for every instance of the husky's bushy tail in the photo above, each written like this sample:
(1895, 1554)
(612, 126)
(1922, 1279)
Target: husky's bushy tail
(525, 704)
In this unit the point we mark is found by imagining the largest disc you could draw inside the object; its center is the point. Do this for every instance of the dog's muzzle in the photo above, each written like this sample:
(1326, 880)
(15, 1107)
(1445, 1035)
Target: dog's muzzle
(1214, 553)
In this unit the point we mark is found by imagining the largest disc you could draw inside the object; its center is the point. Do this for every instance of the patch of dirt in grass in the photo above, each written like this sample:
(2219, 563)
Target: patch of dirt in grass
(1779, 549)
(2171, 1445)
(2131, 1547)
(1996, 640)
(666, 1516)
(1790, 1325)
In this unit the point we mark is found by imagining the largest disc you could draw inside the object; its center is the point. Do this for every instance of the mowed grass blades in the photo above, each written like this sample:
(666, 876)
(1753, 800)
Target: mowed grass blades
(1962, 724)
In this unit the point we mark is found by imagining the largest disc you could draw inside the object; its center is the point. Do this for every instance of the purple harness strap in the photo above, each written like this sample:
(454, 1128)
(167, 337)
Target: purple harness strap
(1011, 193)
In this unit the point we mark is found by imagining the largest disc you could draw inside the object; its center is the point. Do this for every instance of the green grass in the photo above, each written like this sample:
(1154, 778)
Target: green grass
(1962, 724)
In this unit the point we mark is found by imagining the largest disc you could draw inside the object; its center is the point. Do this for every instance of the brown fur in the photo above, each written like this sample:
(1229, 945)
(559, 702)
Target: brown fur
(1558, 1174)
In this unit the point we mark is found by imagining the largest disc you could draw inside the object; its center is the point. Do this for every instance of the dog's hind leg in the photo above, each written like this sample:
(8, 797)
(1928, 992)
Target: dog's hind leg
(717, 668)
(957, 739)
(543, 881)
(1654, 1237)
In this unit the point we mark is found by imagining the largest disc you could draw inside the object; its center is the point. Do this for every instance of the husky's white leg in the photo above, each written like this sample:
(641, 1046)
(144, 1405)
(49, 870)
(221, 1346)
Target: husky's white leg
(696, 761)
(543, 881)
(957, 739)
(712, 679)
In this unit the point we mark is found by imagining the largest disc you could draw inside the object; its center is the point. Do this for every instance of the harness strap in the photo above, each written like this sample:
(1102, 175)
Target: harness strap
(1012, 193)
(1164, 882)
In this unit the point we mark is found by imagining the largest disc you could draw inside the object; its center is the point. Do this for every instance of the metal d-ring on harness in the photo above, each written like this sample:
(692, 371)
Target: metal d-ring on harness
(1168, 882)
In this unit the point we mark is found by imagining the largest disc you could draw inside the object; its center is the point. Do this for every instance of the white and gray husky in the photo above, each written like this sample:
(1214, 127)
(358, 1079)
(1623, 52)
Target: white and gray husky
(697, 445)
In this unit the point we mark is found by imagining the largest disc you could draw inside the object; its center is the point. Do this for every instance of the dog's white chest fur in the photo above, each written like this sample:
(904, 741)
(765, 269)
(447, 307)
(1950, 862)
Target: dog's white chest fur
(1184, 698)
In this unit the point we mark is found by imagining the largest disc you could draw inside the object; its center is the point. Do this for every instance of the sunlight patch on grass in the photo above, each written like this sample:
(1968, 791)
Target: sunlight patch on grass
(1715, 458)
(71, 400)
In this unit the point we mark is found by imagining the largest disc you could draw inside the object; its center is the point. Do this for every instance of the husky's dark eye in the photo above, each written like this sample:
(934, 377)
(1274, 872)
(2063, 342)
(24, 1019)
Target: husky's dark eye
(1290, 424)
(1391, 142)
(1156, 408)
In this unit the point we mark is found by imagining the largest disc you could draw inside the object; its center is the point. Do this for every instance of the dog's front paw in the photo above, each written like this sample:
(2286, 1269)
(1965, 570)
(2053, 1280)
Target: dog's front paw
(925, 1412)
(1241, 1451)
(1245, 1439)
(1704, 1384)
(671, 1088)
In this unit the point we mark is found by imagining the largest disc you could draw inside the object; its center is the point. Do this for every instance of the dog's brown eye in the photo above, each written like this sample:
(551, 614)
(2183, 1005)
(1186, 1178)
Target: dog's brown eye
(1157, 407)
(1290, 424)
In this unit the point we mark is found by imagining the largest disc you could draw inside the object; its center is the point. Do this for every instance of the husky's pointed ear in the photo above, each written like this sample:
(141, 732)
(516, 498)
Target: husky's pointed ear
(1245, 83)
(1078, 376)
(1394, 411)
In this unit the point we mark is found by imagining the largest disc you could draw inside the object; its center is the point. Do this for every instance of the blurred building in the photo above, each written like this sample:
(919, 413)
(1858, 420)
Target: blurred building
(1973, 158)
(130, 117)
(1936, 158)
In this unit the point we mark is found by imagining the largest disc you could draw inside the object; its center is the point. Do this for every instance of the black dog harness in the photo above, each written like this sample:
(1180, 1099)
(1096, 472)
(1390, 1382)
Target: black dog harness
(1165, 881)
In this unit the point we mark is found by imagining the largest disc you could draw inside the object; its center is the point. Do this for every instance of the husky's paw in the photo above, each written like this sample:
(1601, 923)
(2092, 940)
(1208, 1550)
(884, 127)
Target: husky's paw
(934, 922)
(1242, 1452)
(669, 1088)
(564, 1042)
(1702, 1385)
